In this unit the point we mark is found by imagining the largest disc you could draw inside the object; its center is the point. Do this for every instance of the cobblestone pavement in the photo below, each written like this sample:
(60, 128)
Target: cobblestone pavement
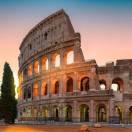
(52, 128)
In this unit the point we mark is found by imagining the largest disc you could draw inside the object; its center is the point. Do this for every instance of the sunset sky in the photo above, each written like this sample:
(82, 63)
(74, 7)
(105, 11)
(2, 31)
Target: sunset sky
(105, 27)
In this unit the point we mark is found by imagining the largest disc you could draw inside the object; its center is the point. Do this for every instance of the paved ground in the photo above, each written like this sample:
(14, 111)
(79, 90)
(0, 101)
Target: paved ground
(49, 128)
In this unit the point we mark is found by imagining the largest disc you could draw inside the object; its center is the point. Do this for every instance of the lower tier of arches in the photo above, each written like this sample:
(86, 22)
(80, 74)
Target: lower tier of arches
(76, 112)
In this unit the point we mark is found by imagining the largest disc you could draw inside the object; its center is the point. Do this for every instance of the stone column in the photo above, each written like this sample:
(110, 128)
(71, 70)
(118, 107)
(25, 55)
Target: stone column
(62, 114)
(61, 58)
(75, 115)
(92, 115)
(40, 65)
(94, 84)
(75, 83)
(111, 110)
(61, 86)
(49, 63)
(126, 115)
(39, 89)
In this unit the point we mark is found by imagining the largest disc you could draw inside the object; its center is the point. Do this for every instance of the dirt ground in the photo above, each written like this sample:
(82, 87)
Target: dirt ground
(52, 128)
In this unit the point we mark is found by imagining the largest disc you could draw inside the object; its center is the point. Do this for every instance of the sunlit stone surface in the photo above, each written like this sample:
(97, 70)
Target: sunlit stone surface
(57, 84)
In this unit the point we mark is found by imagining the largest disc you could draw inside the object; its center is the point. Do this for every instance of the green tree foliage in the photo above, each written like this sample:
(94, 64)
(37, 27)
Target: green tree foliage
(8, 101)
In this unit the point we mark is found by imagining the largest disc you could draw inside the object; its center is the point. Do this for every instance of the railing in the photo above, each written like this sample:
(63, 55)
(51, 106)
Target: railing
(90, 93)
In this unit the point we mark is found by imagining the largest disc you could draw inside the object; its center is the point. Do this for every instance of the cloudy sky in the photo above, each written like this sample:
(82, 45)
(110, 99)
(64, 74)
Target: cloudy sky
(105, 27)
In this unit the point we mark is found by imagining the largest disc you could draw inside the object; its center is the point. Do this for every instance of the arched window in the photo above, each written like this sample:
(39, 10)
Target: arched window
(102, 84)
(70, 57)
(44, 63)
(57, 61)
(85, 84)
(117, 85)
(68, 113)
(29, 92)
(84, 113)
(44, 89)
(118, 113)
(69, 86)
(45, 112)
(36, 67)
(101, 115)
(35, 89)
(56, 113)
(56, 89)
(30, 70)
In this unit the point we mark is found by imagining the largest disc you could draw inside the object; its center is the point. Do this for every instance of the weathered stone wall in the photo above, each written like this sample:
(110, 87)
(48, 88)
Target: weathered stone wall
(79, 83)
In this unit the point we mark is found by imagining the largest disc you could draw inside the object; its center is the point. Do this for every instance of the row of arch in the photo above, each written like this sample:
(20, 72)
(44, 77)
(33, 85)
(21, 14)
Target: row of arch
(117, 85)
(84, 111)
(44, 64)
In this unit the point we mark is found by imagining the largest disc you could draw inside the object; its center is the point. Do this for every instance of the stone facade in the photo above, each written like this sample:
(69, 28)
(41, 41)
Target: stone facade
(56, 83)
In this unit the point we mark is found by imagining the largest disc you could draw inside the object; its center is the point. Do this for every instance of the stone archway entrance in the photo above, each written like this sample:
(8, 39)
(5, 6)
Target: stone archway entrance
(118, 113)
(56, 113)
(84, 113)
(101, 113)
(68, 113)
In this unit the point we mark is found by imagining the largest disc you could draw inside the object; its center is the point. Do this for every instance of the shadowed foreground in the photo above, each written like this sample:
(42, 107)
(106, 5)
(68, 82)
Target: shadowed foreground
(48, 128)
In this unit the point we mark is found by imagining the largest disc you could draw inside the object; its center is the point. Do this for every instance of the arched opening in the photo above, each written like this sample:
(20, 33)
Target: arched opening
(117, 85)
(30, 70)
(35, 89)
(84, 113)
(85, 84)
(130, 114)
(102, 84)
(68, 113)
(70, 57)
(44, 89)
(69, 85)
(56, 89)
(36, 67)
(44, 63)
(57, 61)
(118, 113)
(45, 113)
(56, 113)
(29, 92)
(101, 113)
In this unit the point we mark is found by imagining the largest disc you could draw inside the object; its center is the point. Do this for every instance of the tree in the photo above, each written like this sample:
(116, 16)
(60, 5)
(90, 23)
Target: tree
(9, 103)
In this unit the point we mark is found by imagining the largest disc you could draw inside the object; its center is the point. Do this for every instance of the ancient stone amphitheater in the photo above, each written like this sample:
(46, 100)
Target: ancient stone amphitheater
(57, 84)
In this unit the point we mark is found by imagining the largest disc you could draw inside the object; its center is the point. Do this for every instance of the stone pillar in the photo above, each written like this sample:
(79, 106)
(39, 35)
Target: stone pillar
(49, 87)
(111, 110)
(61, 86)
(62, 114)
(94, 83)
(75, 83)
(49, 62)
(39, 89)
(61, 58)
(33, 69)
(40, 65)
(75, 115)
(92, 115)
(108, 84)
(126, 115)
(78, 55)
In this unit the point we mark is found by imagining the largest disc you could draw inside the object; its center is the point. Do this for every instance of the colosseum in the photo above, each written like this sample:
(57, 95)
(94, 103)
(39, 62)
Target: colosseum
(57, 84)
